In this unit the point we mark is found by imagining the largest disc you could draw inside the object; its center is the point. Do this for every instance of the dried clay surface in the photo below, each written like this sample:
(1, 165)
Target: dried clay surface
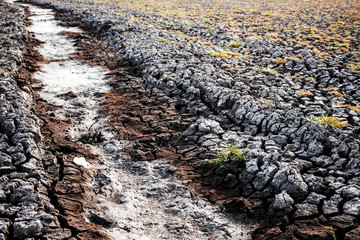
(105, 121)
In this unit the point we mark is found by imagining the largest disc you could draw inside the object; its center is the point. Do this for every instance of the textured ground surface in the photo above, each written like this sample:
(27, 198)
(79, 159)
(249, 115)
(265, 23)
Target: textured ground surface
(253, 75)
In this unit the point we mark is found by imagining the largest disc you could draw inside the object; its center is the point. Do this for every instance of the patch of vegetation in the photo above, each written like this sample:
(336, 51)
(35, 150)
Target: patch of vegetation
(312, 78)
(207, 20)
(219, 53)
(268, 70)
(267, 100)
(227, 154)
(305, 94)
(228, 54)
(355, 66)
(337, 94)
(351, 107)
(313, 36)
(345, 45)
(327, 121)
(161, 40)
(234, 44)
(279, 61)
(268, 14)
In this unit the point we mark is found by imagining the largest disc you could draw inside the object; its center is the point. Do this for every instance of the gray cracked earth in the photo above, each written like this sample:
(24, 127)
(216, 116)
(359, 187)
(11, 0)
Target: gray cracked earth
(298, 168)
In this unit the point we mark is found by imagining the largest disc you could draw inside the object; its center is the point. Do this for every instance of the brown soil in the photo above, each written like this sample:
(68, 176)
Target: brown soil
(68, 192)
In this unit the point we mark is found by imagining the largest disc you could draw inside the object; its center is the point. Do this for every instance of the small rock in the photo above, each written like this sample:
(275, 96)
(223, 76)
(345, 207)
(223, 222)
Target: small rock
(331, 206)
(23, 229)
(343, 221)
(282, 204)
(353, 234)
(352, 207)
(305, 210)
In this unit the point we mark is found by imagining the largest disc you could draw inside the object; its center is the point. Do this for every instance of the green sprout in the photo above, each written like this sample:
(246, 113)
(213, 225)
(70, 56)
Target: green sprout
(207, 20)
(227, 154)
(234, 44)
(312, 78)
(161, 40)
(355, 66)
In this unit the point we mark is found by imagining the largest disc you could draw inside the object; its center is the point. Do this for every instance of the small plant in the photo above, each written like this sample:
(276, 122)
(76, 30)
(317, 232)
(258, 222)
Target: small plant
(234, 44)
(161, 40)
(268, 14)
(253, 10)
(207, 21)
(265, 28)
(327, 121)
(227, 154)
(355, 66)
(268, 70)
(227, 54)
(219, 53)
(312, 36)
(345, 45)
(312, 78)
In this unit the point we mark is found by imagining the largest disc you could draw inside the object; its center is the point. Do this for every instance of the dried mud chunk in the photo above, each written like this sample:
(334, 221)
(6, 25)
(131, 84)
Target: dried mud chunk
(343, 221)
(331, 206)
(305, 210)
(23, 229)
(353, 234)
(352, 207)
(290, 180)
(283, 204)
(310, 230)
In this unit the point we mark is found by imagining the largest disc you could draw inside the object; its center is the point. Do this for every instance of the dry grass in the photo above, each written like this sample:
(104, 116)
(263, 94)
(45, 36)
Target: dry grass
(328, 121)
(351, 107)
(305, 94)
(267, 100)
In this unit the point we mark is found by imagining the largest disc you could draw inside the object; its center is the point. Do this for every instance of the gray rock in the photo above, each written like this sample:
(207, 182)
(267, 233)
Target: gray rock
(264, 177)
(289, 179)
(331, 206)
(350, 191)
(209, 126)
(352, 207)
(305, 210)
(282, 204)
(315, 198)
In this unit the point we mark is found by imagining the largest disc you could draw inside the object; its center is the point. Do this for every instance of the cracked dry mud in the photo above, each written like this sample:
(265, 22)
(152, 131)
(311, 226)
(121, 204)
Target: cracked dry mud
(87, 152)
(100, 191)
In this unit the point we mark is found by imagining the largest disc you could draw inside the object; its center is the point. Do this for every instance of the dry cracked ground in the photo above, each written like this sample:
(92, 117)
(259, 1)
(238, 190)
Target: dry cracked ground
(111, 113)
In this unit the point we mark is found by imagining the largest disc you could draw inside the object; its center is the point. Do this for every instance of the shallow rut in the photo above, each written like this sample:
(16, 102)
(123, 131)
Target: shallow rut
(130, 199)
